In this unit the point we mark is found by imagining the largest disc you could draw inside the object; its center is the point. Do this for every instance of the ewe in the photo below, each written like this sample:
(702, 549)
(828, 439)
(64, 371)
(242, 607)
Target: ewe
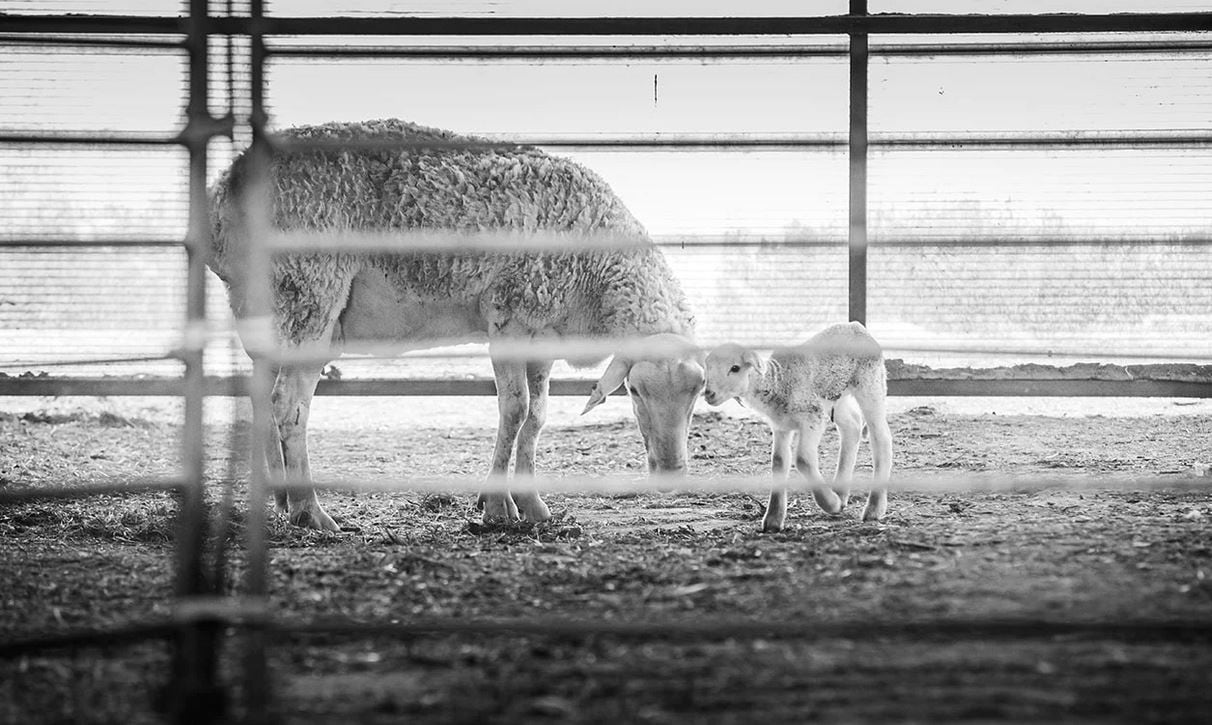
(837, 375)
(398, 176)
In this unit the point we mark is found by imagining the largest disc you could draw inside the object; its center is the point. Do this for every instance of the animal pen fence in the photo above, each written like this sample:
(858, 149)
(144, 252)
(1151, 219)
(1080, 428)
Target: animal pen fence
(228, 51)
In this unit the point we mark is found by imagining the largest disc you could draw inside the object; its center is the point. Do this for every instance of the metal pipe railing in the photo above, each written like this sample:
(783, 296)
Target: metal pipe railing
(197, 631)
(924, 24)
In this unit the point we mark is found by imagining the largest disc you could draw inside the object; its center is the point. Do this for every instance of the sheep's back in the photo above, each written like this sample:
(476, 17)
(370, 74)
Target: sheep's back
(470, 187)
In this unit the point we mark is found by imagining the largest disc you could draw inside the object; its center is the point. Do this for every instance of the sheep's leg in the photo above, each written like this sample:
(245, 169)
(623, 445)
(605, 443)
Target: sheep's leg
(807, 460)
(849, 422)
(291, 402)
(780, 459)
(513, 399)
(526, 495)
(274, 464)
(874, 407)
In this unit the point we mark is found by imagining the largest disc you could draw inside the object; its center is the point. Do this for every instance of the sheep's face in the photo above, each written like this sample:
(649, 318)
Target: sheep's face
(663, 389)
(663, 395)
(727, 371)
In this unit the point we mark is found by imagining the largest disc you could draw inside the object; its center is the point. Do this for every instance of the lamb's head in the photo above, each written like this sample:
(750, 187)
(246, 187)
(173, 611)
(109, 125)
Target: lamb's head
(663, 380)
(728, 370)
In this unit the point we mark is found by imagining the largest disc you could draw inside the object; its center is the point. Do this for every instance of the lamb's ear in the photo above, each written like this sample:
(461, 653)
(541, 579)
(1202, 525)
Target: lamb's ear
(753, 360)
(616, 373)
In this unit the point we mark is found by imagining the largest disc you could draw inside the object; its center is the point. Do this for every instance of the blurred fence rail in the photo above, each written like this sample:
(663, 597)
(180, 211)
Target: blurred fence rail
(197, 629)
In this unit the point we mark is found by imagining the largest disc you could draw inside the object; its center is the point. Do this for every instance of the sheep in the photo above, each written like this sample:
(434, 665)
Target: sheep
(397, 175)
(837, 375)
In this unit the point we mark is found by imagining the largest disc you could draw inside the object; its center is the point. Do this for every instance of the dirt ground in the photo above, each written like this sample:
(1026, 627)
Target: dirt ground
(1101, 550)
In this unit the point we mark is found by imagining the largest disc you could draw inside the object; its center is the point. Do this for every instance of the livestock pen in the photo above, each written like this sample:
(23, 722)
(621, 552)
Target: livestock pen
(1032, 566)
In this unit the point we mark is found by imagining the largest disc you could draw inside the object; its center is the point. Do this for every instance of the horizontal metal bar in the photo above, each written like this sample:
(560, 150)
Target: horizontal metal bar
(92, 42)
(622, 484)
(697, 52)
(172, 355)
(683, 629)
(993, 244)
(97, 24)
(1198, 630)
(701, 241)
(88, 139)
(1183, 138)
(623, 26)
(1052, 388)
(10, 495)
(237, 386)
(134, 634)
(542, 52)
(513, 142)
(745, 142)
(731, 26)
(69, 243)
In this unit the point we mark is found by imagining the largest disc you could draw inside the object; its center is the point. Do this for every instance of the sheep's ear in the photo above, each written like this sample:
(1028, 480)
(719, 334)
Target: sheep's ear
(616, 373)
(753, 360)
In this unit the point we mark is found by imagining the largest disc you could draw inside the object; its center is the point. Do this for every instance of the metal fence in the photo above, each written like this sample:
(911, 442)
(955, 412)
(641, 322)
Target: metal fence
(202, 617)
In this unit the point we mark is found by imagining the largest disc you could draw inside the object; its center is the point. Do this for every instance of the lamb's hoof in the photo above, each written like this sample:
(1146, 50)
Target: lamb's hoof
(314, 517)
(771, 527)
(828, 501)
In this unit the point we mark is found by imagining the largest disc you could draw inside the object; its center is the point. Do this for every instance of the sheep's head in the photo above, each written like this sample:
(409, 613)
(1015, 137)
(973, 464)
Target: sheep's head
(663, 386)
(728, 368)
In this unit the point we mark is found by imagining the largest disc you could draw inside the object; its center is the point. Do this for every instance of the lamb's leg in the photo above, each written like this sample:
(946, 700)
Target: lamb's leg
(513, 399)
(874, 408)
(291, 401)
(849, 422)
(530, 504)
(780, 459)
(807, 459)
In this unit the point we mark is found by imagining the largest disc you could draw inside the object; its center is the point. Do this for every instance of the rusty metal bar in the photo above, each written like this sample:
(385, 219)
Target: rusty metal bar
(858, 169)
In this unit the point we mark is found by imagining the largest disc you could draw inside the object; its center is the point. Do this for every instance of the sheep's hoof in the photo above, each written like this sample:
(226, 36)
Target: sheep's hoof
(874, 512)
(536, 511)
(314, 517)
(498, 507)
(772, 527)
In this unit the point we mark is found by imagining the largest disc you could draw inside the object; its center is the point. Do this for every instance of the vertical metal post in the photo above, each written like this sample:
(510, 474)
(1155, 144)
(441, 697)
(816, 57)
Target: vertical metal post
(254, 201)
(194, 694)
(858, 167)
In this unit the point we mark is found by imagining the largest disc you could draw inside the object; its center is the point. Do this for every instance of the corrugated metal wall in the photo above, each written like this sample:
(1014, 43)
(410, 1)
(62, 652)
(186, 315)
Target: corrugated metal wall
(1107, 246)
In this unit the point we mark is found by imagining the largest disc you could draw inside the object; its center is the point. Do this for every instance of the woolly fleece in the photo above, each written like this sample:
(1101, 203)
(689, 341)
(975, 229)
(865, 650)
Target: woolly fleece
(470, 187)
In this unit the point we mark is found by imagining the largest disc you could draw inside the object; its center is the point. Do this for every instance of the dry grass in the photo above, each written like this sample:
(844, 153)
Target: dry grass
(1091, 555)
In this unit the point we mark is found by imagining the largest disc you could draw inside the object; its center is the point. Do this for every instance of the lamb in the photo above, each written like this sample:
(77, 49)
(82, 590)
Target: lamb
(837, 375)
(400, 176)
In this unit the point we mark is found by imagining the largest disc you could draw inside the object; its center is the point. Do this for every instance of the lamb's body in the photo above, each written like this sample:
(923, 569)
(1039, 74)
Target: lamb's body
(837, 375)
(412, 298)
